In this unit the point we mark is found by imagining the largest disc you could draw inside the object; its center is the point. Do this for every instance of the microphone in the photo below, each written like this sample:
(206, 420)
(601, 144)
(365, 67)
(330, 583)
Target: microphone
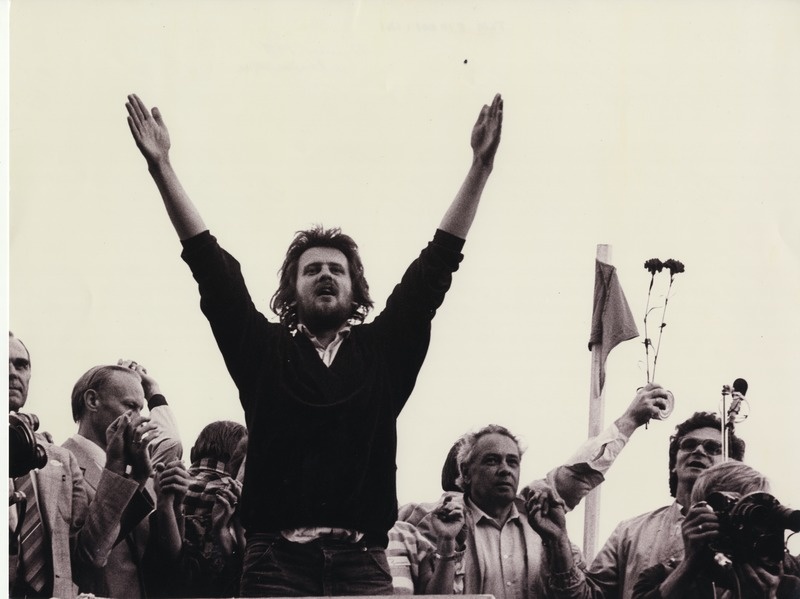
(740, 390)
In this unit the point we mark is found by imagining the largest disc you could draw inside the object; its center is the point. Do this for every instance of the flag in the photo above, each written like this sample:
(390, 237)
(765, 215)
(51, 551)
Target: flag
(612, 321)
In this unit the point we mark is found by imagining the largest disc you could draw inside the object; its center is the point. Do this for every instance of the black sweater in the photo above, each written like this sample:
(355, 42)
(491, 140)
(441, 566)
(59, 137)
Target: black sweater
(322, 440)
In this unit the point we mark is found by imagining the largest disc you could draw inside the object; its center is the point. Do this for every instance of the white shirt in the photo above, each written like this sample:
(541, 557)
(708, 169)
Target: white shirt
(327, 354)
(501, 553)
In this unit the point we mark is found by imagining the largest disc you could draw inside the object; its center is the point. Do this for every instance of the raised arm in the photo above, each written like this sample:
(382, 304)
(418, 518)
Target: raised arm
(165, 446)
(586, 468)
(152, 139)
(485, 139)
(171, 482)
(447, 523)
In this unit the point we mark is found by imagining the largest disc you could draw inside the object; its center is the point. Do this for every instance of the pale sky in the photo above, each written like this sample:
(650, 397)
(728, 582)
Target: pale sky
(666, 130)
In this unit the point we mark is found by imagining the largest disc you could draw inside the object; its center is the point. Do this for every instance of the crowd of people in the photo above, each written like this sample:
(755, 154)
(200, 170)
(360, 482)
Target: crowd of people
(302, 500)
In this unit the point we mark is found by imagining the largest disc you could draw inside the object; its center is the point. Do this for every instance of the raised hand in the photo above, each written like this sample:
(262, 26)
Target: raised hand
(149, 384)
(226, 500)
(486, 132)
(152, 139)
(140, 432)
(546, 513)
(650, 402)
(700, 527)
(171, 483)
(148, 130)
(448, 518)
(116, 434)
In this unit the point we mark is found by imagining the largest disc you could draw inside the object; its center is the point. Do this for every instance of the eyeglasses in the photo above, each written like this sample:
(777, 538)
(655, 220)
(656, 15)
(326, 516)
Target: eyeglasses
(691, 443)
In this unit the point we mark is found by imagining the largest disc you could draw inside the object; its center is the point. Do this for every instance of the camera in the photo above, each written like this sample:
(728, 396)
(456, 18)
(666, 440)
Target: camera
(24, 452)
(751, 531)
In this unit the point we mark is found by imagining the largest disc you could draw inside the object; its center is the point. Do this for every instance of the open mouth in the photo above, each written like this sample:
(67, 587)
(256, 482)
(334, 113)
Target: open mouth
(697, 464)
(328, 290)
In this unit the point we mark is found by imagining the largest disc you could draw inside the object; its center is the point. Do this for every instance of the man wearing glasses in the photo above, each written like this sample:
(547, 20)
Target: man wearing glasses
(655, 537)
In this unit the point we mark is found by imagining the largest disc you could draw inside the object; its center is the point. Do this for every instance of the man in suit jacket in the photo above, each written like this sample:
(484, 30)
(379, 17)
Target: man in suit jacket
(100, 396)
(75, 533)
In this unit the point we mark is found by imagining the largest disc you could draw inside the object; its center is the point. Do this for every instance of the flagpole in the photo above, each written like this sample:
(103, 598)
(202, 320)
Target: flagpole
(591, 518)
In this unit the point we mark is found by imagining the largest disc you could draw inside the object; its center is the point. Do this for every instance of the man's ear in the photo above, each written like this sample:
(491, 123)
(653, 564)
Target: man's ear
(91, 400)
(465, 474)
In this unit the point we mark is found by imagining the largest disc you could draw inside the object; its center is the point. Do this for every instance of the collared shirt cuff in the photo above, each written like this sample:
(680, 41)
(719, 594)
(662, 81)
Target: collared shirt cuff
(600, 452)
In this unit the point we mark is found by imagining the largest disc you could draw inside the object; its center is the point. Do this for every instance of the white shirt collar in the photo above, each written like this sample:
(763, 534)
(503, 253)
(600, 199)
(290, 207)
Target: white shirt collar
(326, 354)
(343, 331)
(478, 514)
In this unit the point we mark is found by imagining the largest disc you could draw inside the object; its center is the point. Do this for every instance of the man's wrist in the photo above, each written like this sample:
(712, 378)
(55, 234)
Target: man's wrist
(559, 551)
(157, 164)
(566, 579)
(481, 166)
(140, 476)
(627, 424)
(117, 466)
(151, 390)
(446, 545)
(558, 539)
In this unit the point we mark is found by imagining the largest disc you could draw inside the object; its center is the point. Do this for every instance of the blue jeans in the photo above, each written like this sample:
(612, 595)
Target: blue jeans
(275, 567)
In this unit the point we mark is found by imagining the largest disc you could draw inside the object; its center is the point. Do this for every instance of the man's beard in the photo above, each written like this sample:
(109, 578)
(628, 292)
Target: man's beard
(326, 319)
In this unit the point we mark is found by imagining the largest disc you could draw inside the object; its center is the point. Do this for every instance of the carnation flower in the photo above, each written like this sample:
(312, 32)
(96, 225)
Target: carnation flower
(674, 266)
(654, 265)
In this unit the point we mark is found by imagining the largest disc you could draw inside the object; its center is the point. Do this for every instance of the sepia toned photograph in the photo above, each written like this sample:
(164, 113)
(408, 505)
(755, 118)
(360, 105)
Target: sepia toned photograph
(355, 298)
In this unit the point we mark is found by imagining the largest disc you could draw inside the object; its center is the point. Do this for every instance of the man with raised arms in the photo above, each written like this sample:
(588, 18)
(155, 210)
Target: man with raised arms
(321, 392)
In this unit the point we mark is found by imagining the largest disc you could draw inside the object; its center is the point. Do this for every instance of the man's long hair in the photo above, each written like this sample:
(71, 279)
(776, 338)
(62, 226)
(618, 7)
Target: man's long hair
(698, 420)
(284, 302)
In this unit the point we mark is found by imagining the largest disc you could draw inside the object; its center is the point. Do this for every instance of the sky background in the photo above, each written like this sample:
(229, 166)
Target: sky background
(666, 130)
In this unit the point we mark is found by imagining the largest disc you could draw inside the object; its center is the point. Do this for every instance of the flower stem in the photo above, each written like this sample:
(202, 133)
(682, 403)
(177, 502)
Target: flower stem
(661, 328)
(646, 338)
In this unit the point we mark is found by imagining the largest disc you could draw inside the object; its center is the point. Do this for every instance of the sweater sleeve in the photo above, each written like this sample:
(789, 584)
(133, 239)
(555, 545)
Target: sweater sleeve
(240, 330)
(404, 325)
(425, 282)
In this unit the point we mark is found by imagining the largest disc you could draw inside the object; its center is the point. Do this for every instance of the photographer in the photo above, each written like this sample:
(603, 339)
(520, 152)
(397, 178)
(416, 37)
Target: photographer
(60, 531)
(698, 575)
